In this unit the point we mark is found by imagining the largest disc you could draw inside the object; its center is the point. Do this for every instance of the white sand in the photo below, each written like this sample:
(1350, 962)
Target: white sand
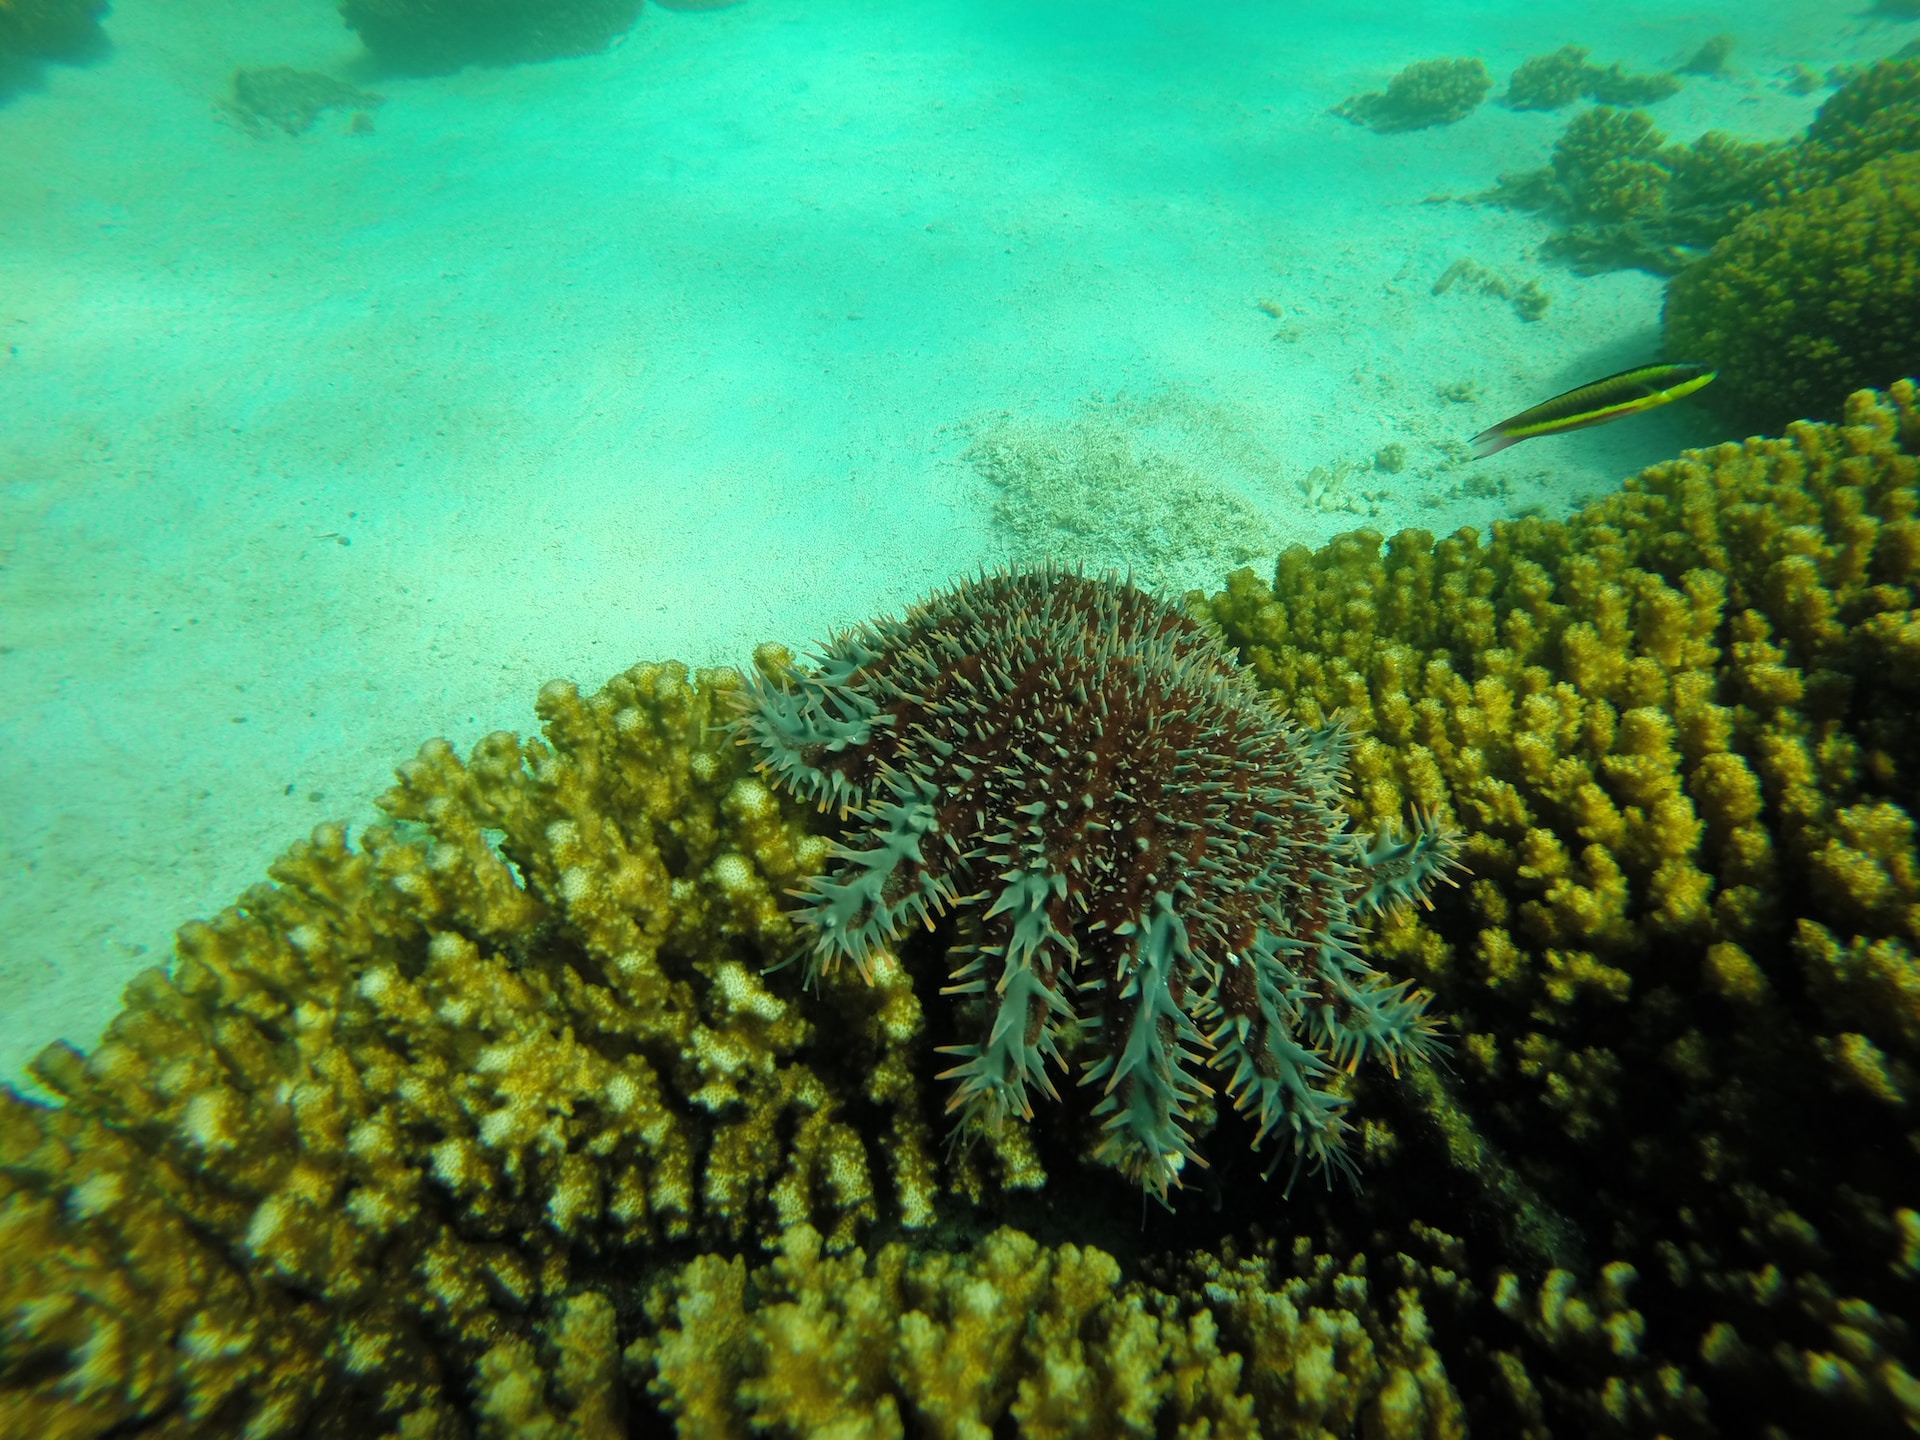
(314, 447)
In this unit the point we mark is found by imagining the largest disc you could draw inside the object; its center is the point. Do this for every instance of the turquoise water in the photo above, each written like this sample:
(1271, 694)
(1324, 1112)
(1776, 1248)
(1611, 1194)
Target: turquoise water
(762, 319)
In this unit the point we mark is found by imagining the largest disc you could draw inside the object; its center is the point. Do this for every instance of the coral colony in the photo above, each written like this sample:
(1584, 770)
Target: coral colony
(1149, 863)
(389, 1148)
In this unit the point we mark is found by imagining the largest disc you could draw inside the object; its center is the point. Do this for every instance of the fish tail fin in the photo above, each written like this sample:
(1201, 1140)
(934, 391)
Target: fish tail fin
(1487, 442)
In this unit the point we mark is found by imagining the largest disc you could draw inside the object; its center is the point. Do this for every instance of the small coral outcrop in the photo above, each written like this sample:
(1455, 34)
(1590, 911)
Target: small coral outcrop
(1553, 82)
(1138, 845)
(1711, 58)
(1549, 82)
(1804, 304)
(1616, 85)
(1430, 92)
(1624, 197)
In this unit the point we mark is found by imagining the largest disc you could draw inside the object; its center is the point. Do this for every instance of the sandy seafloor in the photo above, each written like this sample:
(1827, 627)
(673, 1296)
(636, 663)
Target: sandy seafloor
(768, 319)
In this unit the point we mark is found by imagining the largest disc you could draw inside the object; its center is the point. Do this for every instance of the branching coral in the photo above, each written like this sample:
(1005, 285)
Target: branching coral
(1046, 1338)
(1624, 197)
(1428, 93)
(1135, 844)
(1606, 164)
(1813, 292)
(345, 1168)
(472, 1129)
(1877, 112)
(1805, 303)
(1676, 730)
(1552, 82)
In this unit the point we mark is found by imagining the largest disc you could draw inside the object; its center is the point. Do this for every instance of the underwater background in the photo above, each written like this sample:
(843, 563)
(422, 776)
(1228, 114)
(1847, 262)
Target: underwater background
(365, 367)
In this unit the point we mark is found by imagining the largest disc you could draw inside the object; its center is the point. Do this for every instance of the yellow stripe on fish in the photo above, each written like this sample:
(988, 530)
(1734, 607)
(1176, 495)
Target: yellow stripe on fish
(1627, 393)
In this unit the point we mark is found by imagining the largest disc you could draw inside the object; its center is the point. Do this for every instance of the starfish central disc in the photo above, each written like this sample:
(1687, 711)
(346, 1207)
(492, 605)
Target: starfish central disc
(1144, 847)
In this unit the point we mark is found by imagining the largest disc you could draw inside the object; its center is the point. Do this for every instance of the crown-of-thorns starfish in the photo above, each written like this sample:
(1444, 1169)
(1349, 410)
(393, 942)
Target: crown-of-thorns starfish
(1143, 849)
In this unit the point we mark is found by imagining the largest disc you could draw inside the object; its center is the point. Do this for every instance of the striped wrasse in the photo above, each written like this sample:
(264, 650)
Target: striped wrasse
(1627, 393)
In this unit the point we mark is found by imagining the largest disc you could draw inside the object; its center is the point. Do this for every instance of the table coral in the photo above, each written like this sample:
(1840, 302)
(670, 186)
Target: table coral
(1133, 844)
(1427, 93)
(1807, 302)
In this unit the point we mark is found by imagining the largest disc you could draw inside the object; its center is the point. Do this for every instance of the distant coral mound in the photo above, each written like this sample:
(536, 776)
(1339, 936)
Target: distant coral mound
(1624, 197)
(1431, 92)
(53, 29)
(1552, 82)
(438, 35)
